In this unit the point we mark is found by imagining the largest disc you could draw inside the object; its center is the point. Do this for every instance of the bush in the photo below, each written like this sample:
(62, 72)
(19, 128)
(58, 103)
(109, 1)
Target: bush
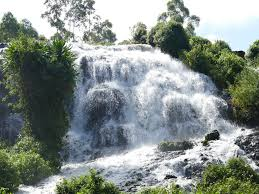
(175, 146)
(234, 177)
(90, 184)
(171, 38)
(42, 76)
(253, 51)
(245, 95)
(28, 144)
(199, 59)
(139, 33)
(9, 178)
(31, 167)
(199, 41)
(228, 67)
(173, 189)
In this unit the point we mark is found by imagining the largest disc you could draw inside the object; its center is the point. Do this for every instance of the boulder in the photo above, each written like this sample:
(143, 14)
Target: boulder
(110, 136)
(175, 146)
(103, 104)
(214, 135)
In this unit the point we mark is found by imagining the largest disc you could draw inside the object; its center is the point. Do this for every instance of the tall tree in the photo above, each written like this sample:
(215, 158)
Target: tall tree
(9, 27)
(27, 29)
(101, 33)
(177, 11)
(139, 33)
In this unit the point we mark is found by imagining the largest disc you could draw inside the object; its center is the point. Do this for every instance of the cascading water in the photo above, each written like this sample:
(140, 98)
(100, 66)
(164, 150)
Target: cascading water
(127, 100)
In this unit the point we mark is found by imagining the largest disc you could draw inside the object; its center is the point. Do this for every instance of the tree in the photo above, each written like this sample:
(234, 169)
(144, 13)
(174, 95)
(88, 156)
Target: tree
(253, 53)
(42, 76)
(27, 29)
(100, 34)
(171, 38)
(177, 11)
(139, 33)
(9, 28)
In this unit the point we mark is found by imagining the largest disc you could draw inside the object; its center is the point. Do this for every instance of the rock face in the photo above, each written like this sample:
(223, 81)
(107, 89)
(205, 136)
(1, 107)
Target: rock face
(250, 144)
(214, 135)
(103, 104)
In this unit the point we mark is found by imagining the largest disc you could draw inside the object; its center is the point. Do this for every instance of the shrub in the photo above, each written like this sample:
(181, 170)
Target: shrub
(175, 146)
(199, 41)
(31, 167)
(245, 95)
(253, 51)
(173, 189)
(228, 67)
(199, 59)
(171, 38)
(28, 144)
(42, 76)
(139, 33)
(234, 177)
(90, 184)
(9, 178)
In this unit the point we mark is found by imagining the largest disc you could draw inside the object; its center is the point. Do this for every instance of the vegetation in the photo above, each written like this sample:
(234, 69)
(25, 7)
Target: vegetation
(9, 178)
(91, 183)
(42, 76)
(173, 189)
(175, 146)
(171, 38)
(245, 95)
(234, 177)
(69, 16)
(10, 28)
(139, 33)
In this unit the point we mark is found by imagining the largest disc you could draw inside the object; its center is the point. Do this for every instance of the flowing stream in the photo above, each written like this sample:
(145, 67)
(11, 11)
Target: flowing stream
(127, 100)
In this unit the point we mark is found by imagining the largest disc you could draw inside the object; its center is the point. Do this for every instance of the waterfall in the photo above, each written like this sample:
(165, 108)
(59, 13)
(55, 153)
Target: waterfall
(127, 100)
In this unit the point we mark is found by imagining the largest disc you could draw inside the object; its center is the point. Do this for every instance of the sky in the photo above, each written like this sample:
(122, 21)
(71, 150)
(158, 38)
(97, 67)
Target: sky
(235, 21)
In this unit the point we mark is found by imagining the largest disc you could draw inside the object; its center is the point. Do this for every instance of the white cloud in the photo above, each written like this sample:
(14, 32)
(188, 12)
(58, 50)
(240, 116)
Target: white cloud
(224, 12)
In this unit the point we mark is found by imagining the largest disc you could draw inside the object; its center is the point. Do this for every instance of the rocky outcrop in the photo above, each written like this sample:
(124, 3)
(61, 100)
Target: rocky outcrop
(214, 135)
(103, 104)
(250, 144)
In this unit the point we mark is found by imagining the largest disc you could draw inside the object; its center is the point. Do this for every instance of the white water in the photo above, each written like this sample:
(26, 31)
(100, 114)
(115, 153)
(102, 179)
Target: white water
(143, 97)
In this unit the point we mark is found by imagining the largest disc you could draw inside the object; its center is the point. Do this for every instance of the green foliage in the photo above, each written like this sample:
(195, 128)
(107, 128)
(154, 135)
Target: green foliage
(90, 184)
(228, 67)
(245, 95)
(11, 29)
(31, 167)
(9, 177)
(199, 41)
(101, 34)
(234, 177)
(151, 34)
(139, 33)
(173, 189)
(253, 51)
(42, 76)
(230, 186)
(175, 146)
(28, 144)
(26, 29)
(125, 42)
(171, 38)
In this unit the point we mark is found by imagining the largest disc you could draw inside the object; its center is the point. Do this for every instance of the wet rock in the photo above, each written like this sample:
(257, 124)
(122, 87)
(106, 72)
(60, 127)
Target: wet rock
(214, 135)
(194, 170)
(169, 176)
(102, 104)
(111, 136)
(175, 146)
(250, 144)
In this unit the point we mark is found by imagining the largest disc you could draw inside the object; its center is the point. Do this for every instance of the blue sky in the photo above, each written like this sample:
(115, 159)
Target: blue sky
(235, 21)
